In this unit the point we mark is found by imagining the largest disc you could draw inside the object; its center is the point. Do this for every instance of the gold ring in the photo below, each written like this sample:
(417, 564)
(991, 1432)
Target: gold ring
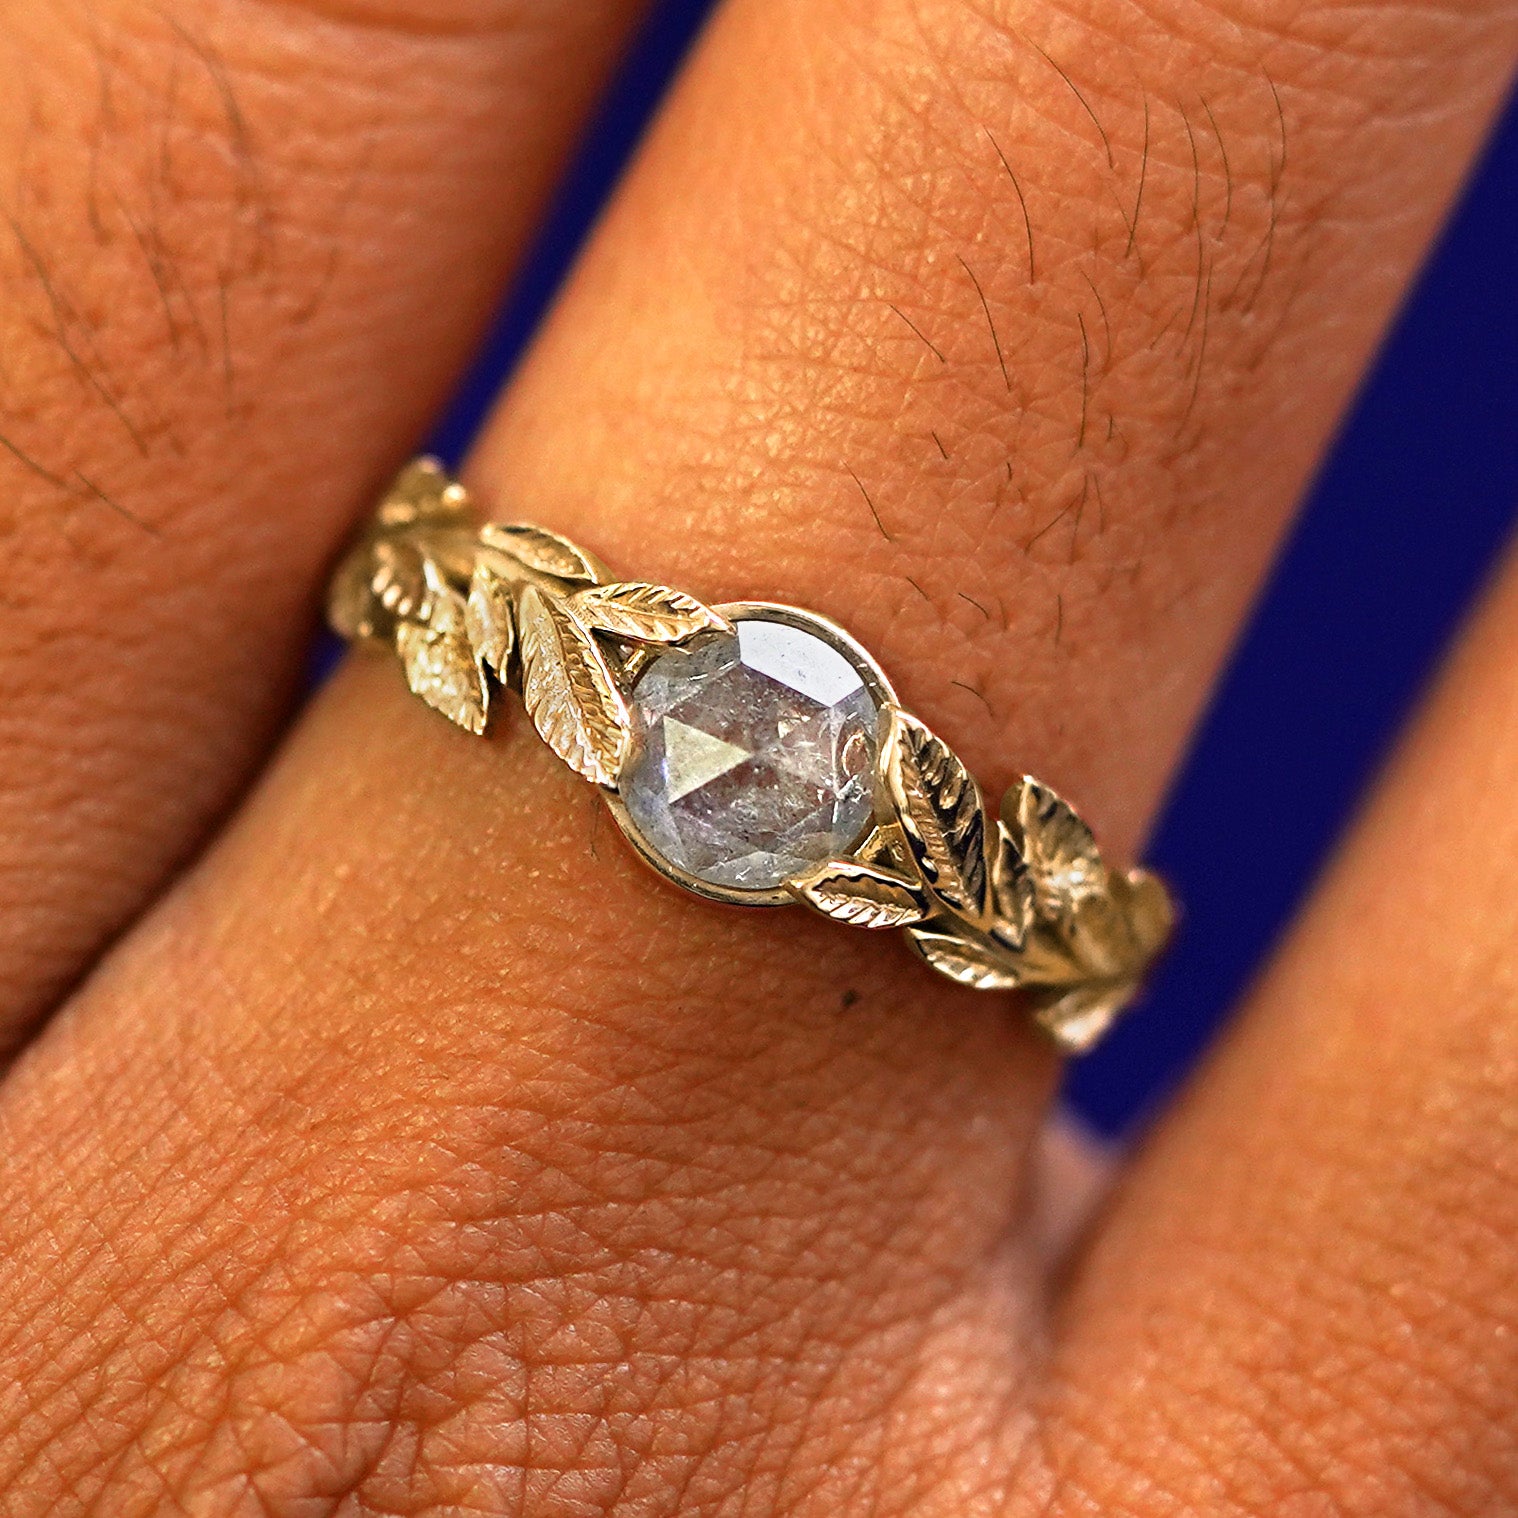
(754, 754)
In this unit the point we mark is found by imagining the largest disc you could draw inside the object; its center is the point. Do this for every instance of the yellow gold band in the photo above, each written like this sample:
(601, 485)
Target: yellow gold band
(754, 754)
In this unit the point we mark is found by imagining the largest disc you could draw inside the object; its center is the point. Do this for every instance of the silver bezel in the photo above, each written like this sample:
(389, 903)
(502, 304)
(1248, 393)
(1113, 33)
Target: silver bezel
(741, 611)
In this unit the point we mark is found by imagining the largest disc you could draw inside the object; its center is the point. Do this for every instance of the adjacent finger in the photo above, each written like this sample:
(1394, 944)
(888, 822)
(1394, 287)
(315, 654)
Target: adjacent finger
(227, 233)
(530, 1181)
(1314, 1262)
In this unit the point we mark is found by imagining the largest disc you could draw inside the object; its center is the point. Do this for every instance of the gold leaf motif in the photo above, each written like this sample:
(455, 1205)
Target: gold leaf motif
(424, 492)
(543, 552)
(352, 608)
(380, 582)
(1011, 892)
(966, 960)
(1091, 962)
(1100, 938)
(645, 613)
(440, 663)
(1107, 935)
(1077, 1019)
(488, 619)
(1057, 848)
(861, 895)
(569, 691)
(1150, 911)
(1069, 951)
(400, 581)
(942, 816)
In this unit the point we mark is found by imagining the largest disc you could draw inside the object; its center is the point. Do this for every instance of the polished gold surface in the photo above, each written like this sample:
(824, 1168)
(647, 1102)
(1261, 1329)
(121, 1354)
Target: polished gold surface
(1019, 902)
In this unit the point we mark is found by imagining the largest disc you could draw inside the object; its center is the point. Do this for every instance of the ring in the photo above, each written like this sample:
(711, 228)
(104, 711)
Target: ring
(754, 754)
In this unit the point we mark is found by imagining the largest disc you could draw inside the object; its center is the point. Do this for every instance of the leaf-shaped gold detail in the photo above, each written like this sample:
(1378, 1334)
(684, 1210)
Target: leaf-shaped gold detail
(1057, 848)
(381, 582)
(966, 960)
(1095, 959)
(352, 608)
(569, 691)
(545, 553)
(1107, 935)
(941, 814)
(645, 613)
(440, 663)
(488, 619)
(1011, 892)
(424, 492)
(400, 578)
(1059, 954)
(1077, 1019)
(861, 895)
(1101, 938)
(1146, 902)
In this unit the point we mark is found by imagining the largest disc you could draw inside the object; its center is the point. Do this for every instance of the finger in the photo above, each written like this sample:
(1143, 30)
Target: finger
(1314, 1262)
(1023, 391)
(554, 1185)
(225, 230)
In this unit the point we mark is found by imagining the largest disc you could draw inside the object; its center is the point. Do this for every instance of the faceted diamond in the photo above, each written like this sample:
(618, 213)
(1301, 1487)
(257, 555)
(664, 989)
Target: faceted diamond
(693, 758)
(755, 755)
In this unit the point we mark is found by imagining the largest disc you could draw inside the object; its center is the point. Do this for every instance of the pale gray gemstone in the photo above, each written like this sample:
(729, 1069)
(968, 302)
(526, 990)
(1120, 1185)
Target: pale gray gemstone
(754, 755)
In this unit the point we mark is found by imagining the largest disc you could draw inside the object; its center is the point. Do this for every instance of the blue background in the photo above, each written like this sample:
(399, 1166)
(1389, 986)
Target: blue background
(1405, 519)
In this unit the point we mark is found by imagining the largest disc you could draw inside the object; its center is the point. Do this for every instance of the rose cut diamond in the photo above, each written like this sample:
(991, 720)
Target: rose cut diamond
(755, 754)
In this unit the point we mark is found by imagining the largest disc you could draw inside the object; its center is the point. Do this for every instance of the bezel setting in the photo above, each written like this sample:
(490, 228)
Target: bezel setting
(829, 632)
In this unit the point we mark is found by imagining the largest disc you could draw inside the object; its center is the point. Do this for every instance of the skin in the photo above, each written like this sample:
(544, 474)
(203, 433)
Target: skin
(417, 1152)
